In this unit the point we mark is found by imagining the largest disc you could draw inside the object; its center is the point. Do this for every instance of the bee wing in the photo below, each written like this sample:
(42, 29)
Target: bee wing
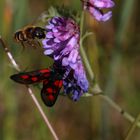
(50, 91)
(34, 43)
(31, 77)
(44, 17)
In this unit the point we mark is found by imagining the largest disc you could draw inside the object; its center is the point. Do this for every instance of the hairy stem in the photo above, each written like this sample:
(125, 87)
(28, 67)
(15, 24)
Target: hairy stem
(16, 66)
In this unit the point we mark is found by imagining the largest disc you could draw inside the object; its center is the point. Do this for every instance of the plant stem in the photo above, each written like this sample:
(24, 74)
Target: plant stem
(91, 75)
(131, 130)
(42, 113)
(15, 65)
(125, 114)
(82, 52)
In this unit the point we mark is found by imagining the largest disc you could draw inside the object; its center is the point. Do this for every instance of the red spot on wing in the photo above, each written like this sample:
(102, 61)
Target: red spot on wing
(51, 97)
(34, 79)
(24, 76)
(58, 83)
(44, 70)
(50, 90)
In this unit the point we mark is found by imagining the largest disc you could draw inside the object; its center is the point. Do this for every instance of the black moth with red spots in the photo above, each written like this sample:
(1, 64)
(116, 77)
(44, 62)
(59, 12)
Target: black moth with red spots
(51, 78)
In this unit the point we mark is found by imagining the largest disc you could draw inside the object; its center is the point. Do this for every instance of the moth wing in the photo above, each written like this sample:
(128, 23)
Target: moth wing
(50, 91)
(31, 77)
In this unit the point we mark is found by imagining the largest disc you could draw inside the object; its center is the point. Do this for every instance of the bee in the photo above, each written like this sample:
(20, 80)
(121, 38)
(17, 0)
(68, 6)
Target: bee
(29, 36)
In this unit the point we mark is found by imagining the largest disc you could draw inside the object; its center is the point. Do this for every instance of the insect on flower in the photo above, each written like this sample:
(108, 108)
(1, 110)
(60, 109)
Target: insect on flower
(62, 44)
(51, 78)
(29, 35)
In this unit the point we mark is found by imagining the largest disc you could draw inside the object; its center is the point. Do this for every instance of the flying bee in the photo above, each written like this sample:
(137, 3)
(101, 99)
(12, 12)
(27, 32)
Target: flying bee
(29, 36)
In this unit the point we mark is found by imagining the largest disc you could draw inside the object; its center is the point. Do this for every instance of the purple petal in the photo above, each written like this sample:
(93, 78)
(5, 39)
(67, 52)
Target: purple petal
(55, 30)
(65, 61)
(48, 52)
(57, 40)
(50, 26)
(95, 8)
(49, 35)
(99, 16)
(106, 16)
(73, 56)
(103, 3)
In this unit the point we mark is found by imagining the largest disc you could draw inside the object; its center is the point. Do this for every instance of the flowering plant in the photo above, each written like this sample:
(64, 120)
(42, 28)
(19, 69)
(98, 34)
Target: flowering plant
(62, 44)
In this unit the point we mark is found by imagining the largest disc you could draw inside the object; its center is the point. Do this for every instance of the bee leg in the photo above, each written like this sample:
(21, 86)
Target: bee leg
(31, 43)
(39, 44)
(33, 46)
(23, 46)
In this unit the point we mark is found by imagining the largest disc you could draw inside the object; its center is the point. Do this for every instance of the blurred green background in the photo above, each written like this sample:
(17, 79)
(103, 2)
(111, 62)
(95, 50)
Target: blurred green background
(113, 52)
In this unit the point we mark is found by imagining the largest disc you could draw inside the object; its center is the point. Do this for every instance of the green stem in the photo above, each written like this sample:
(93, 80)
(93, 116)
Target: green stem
(82, 52)
(85, 36)
(131, 130)
(125, 114)
(91, 75)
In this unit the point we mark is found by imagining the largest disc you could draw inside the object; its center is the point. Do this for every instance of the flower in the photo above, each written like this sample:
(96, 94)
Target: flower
(62, 37)
(62, 44)
(75, 80)
(95, 6)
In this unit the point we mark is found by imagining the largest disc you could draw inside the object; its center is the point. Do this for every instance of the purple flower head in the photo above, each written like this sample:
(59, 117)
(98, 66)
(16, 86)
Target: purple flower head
(61, 38)
(62, 44)
(75, 80)
(95, 6)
